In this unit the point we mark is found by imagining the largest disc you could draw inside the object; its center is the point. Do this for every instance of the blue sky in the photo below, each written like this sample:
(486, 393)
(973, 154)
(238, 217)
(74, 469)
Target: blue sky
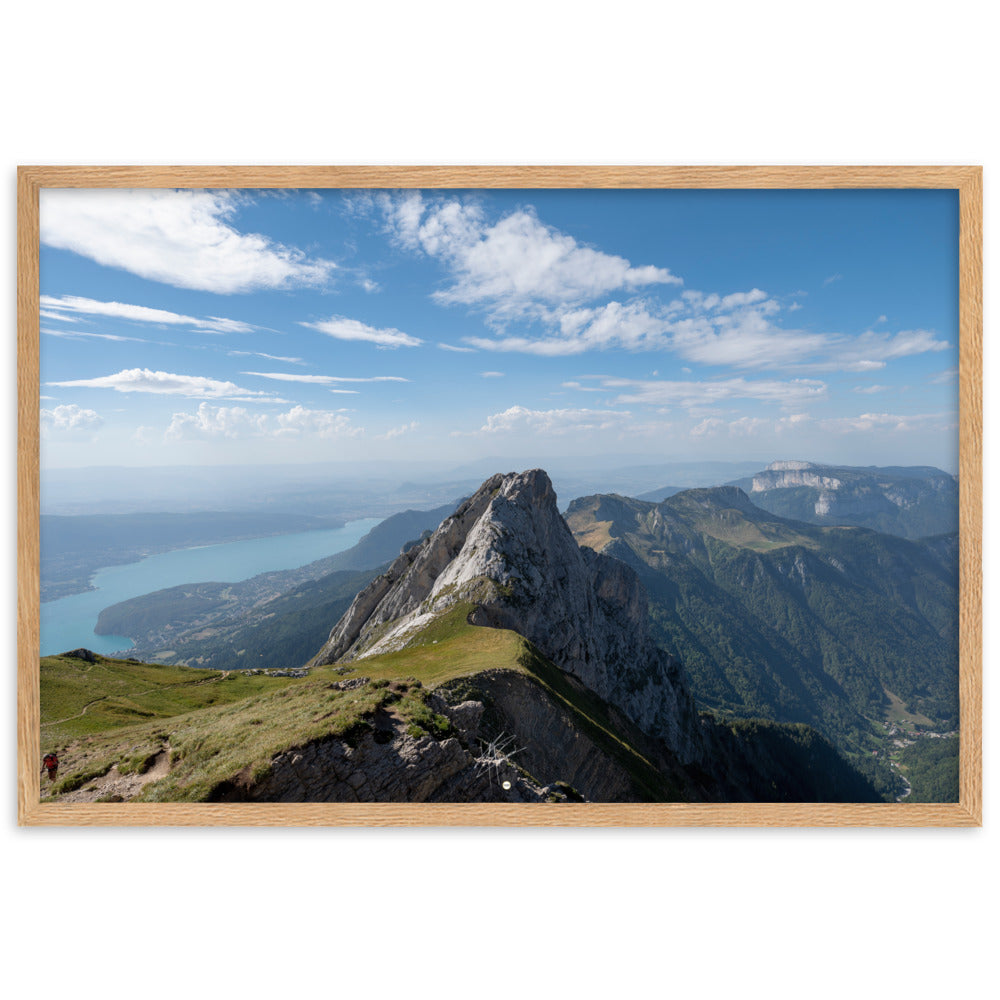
(207, 327)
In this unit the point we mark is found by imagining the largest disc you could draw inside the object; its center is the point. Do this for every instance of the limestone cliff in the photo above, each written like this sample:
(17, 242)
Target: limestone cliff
(509, 551)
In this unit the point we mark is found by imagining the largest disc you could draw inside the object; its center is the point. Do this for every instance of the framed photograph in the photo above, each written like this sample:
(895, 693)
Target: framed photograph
(507, 496)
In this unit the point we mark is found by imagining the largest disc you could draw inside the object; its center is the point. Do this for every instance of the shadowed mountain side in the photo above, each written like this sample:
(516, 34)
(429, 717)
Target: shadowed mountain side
(785, 620)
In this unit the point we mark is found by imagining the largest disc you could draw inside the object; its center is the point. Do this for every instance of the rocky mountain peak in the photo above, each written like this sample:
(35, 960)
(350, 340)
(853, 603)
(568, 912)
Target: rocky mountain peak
(508, 551)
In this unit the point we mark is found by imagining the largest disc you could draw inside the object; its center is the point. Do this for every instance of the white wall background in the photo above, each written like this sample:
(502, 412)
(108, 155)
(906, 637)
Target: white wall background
(293, 913)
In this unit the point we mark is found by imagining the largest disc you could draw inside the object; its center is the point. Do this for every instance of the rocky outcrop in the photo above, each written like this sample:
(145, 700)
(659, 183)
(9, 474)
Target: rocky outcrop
(532, 750)
(509, 551)
(405, 769)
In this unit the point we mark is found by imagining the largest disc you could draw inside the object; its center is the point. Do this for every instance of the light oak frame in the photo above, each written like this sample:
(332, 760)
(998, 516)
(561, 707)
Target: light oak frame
(967, 180)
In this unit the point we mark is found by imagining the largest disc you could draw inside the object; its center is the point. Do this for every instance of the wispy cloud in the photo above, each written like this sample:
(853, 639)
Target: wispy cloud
(169, 384)
(140, 314)
(706, 393)
(323, 379)
(888, 422)
(831, 279)
(491, 374)
(870, 390)
(457, 350)
(343, 328)
(946, 377)
(266, 357)
(181, 238)
(86, 335)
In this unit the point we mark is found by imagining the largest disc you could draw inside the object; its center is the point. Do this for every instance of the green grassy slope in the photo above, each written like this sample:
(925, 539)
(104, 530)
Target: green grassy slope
(216, 725)
(79, 698)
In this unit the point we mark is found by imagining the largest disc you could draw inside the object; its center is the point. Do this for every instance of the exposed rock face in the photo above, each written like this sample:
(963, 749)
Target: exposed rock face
(404, 769)
(786, 465)
(788, 478)
(508, 550)
(914, 502)
(390, 765)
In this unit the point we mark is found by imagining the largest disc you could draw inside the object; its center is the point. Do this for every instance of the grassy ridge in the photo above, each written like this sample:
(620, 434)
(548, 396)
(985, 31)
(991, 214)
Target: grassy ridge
(79, 698)
(216, 725)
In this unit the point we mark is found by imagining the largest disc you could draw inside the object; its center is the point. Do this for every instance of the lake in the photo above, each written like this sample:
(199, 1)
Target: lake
(69, 622)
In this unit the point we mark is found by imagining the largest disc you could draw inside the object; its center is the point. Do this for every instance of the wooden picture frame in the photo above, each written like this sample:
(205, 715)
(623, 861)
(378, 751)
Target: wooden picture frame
(967, 180)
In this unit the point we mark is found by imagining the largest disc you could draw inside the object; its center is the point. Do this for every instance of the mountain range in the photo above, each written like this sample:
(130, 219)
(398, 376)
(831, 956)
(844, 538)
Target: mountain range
(697, 649)
(912, 501)
(787, 620)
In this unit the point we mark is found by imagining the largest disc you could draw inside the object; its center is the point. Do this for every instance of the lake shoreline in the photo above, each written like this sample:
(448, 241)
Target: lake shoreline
(69, 621)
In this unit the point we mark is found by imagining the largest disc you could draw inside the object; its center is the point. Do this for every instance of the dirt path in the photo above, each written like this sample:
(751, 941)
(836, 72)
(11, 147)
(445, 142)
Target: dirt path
(122, 786)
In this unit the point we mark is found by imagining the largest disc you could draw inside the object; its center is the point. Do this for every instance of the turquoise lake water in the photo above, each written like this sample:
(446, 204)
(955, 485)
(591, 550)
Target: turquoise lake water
(69, 622)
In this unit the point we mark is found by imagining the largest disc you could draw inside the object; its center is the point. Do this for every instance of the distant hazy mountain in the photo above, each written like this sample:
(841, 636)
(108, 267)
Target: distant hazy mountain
(913, 501)
(658, 496)
(789, 621)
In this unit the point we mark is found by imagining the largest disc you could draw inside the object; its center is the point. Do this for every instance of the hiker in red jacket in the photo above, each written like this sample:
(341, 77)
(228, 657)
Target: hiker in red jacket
(51, 764)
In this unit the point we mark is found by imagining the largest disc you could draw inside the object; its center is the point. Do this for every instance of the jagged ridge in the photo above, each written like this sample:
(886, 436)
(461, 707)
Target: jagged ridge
(508, 550)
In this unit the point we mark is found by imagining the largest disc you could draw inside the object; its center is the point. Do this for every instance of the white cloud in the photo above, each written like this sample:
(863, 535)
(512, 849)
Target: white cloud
(168, 384)
(944, 378)
(549, 347)
(738, 299)
(831, 279)
(395, 432)
(513, 265)
(747, 426)
(215, 422)
(709, 426)
(141, 314)
(707, 393)
(872, 346)
(70, 418)
(370, 286)
(868, 390)
(300, 422)
(212, 422)
(345, 392)
(747, 339)
(457, 350)
(491, 374)
(557, 422)
(180, 238)
(323, 379)
(351, 329)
